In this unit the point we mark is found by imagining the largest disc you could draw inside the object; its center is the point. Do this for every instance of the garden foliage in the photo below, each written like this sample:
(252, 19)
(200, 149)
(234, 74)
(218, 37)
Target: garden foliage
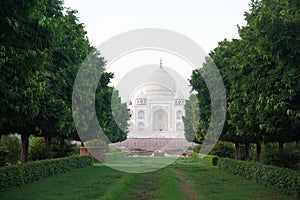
(16, 175)
(283, 179)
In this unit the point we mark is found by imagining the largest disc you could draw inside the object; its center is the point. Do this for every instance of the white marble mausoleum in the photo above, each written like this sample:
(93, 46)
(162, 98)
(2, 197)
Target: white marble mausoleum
(157, 107)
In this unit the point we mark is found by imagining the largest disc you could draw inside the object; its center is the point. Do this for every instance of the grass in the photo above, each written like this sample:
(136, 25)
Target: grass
(141, 164)
(212, 183)
(159, 185)
(185, 179)
(87, 183)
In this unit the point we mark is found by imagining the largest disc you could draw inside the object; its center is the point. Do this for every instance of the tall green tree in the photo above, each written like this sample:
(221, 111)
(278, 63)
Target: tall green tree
(261, 76)
(224, 58)
(68, 53)
(26, 35)
(203, 99)
(42, 48)
(96, 103)
(191, 119)
(272, 35)
(113, 115)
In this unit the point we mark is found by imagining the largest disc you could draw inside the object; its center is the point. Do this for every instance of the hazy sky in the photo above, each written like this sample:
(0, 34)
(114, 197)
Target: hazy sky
(206, 22)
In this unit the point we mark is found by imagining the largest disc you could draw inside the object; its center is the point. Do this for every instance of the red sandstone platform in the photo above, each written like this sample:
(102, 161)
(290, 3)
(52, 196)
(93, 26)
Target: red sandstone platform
(155, 143)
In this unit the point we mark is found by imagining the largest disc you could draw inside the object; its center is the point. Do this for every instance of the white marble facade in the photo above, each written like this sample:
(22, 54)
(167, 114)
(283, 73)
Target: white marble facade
(157, 108)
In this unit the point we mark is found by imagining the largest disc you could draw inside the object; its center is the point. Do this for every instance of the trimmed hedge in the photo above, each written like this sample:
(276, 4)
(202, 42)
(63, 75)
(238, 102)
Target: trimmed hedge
(211, 160)
(283, 179)
(17, 175)
(208, 159)
(195, 156)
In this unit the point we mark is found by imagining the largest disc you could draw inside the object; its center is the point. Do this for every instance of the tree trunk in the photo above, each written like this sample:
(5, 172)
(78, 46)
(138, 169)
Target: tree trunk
(281, 147)
(258, 152)
(247, 151)
(47, 140)
(237, 151)
(82, 144)
(24, 152)
(62, 142)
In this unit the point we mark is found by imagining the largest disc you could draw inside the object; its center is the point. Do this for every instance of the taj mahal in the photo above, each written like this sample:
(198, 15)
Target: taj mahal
(157, 107)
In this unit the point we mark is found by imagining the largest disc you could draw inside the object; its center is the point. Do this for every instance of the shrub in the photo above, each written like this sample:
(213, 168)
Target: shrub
(195, 156)
(38, 151)
(288, 158)
(197, 148)
(58, 148)
(189, 148)
(223, 150)
(63, 148)
(16, 175)
(285, 180)
(211, 160)
(3, 157)
(12, 145)
(208, 159)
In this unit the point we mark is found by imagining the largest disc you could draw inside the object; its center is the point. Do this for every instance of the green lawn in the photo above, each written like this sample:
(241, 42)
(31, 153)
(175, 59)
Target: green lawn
(185, 179)
(141, 164)
(85, 183)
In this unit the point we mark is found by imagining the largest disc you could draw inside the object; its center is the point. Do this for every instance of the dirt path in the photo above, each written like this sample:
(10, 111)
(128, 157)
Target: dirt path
(187, 187)
(146, 190)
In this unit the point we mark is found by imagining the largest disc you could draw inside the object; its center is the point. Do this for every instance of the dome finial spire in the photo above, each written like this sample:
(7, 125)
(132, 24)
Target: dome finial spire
(160, 63)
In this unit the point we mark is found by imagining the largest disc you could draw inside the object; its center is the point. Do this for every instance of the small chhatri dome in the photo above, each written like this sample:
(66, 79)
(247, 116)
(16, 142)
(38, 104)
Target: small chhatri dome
(179, 95)
(162, 79)
(141, 95)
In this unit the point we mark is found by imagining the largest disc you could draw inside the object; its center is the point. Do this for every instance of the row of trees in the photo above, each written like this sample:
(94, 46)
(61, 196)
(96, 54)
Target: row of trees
(42, 46)
(262, 78)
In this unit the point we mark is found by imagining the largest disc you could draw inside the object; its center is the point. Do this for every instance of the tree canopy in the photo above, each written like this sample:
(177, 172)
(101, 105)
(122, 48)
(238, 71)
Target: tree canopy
(261, 75)
(42, 46)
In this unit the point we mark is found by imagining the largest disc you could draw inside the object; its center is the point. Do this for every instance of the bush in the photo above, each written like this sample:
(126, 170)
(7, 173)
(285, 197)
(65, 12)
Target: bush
(12, 145)
(189, 148)
(197, 148)
(285, 180)
(195, 156)
(16, 175)
(210, 160)
(58, 148)
(288, 159)
(3, 157)
(63, 148)
(38, 151)
(223, 150)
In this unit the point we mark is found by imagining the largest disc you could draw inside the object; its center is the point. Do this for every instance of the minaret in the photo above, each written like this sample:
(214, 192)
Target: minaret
(160, 63)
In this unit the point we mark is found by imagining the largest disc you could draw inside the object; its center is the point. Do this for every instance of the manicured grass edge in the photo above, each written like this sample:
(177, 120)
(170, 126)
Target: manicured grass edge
(285, 180)
(20, 174)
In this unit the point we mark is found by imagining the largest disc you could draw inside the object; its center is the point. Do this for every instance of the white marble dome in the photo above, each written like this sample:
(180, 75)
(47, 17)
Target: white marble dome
(160, 82)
